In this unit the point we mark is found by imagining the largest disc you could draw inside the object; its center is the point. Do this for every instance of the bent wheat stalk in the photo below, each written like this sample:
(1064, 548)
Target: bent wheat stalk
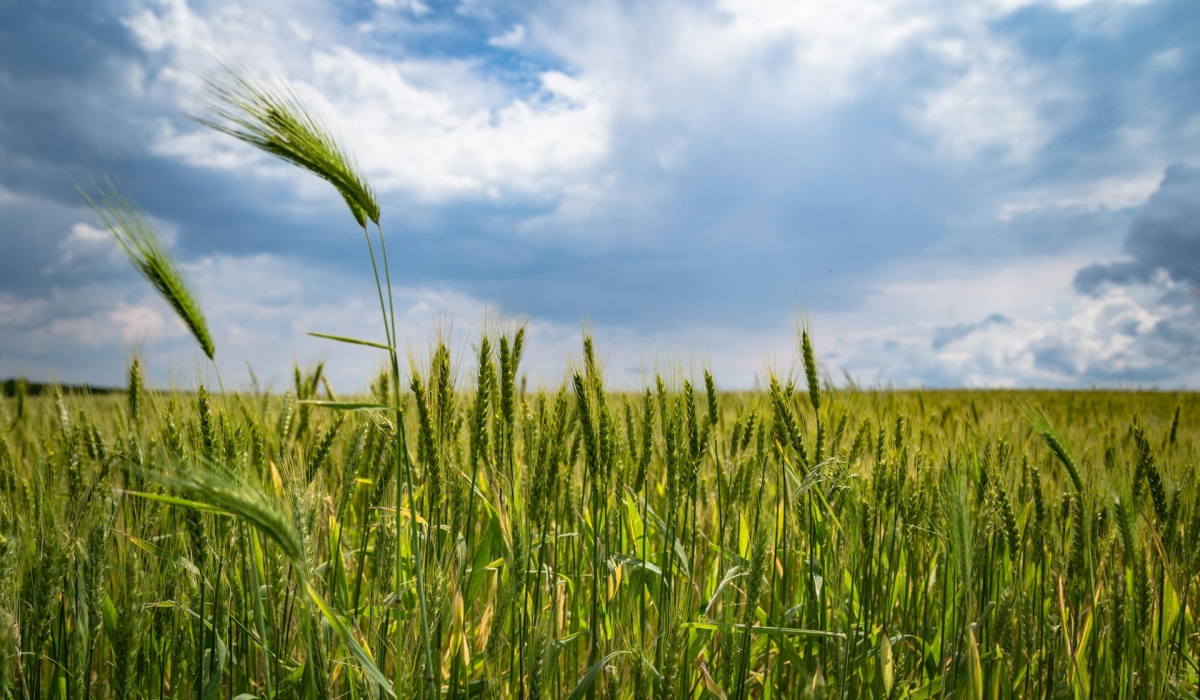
(118, 215)
(270, 116)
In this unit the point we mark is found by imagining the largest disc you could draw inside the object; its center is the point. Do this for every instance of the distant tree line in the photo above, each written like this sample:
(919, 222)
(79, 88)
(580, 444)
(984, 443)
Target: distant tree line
(11, 387)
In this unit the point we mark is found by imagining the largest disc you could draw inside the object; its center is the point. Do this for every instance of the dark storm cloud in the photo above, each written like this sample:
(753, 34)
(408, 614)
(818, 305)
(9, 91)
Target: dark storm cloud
(1163, 238)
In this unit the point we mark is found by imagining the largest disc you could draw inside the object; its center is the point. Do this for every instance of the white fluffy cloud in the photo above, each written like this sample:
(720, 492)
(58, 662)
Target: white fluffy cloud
(510, 39)
(83, 240)
(424, 140)
(635, 81)
(442, 127)
(946, 331)
(435, 128)
(994, 104)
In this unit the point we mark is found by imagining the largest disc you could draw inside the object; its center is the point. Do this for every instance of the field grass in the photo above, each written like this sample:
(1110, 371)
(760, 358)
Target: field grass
(577, 542)
(450, 534)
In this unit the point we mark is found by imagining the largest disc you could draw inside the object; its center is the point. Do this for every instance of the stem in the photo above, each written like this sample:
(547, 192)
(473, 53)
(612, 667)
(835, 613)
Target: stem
(403, 465)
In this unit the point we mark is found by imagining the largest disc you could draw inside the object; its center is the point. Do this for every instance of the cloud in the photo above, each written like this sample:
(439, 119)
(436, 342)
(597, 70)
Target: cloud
(171, 25)
(1125, 322)
(945, 335)
(510, 39)
(83, 240)
(427, 142)
(1111, 193)
(435, 128)
(1114, 338)
(1164, 238)
(140, 322)
(1121, 337)
(260, 306)
(416, 7)
(926, 178)
(995, 80)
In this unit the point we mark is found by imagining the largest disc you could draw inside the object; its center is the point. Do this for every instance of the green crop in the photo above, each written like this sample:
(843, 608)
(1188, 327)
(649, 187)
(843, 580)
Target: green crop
(675, 542)
(205, 545)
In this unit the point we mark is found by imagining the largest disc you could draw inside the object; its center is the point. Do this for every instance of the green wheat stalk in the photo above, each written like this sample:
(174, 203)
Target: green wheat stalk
(267, 114)
(118, 215)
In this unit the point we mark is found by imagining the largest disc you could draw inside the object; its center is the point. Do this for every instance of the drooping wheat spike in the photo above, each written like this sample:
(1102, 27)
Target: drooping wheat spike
(1174, 426)
(268, 114)
(1055, 442)
(234, 496)
(118, 215)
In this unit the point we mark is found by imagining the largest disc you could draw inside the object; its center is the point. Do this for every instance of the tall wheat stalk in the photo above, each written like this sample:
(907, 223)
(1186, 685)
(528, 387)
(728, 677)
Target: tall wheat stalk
(268, 115)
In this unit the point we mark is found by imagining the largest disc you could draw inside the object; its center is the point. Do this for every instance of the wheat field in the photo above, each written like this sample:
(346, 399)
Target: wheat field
(451, 533)
(577, 542)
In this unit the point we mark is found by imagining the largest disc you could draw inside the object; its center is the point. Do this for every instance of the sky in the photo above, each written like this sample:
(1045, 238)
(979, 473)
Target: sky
(951, 194)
